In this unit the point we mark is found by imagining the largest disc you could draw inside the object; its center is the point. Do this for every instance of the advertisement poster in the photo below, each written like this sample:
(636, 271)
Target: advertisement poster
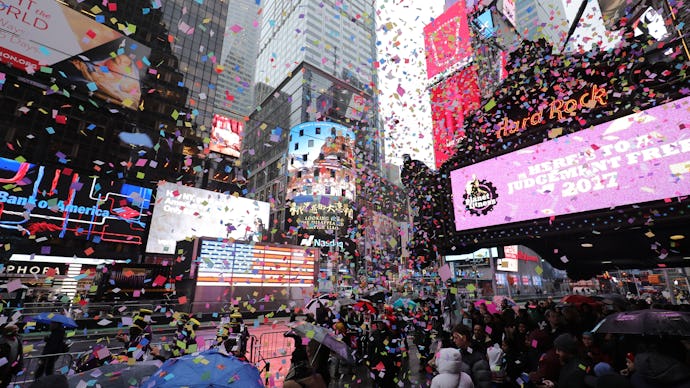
(226, 135)
(321, 160)
(320, 213)
(636, 158)
(182, 212)
(37, 200)
(88, 54)
(447, 40)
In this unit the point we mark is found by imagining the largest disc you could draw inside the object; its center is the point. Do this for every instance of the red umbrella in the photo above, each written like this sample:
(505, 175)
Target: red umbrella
(579, 300)
(364, 304)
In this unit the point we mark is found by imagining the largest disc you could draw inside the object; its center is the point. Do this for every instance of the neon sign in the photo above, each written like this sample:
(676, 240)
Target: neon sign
(557, 109)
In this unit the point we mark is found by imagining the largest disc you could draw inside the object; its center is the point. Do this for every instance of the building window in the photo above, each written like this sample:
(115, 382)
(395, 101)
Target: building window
(296, 146)
(332, 131)
(318, 130)
(305, 157)
(310, 143)
(332, 173)
(301, 132)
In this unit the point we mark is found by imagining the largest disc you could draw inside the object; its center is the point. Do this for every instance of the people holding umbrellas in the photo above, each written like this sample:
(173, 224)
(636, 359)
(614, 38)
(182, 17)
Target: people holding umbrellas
(308, 365)
(55, 344)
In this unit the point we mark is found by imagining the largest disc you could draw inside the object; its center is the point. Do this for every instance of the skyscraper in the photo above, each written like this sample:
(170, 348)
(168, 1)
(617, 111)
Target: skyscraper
(235, 97)
(316, 65)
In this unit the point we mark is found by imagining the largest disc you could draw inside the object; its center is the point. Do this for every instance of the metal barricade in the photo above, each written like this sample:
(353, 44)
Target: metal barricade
(63, 363)
(273, 345)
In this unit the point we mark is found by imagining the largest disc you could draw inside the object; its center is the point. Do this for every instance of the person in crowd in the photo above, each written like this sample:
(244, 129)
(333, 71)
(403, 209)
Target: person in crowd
(381, 361)
(573, 368)
(480, 340)
(12, 352)
(657, 368)
(541, 358)
(497, 365)
(137, 341)
(307, 366)
(448, 363)
(55, 344)
(474, 363)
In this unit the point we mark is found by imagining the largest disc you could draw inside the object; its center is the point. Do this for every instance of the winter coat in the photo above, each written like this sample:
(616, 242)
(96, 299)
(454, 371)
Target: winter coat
(475, 365)
(659, 370)
(573, 374)
(450, 374)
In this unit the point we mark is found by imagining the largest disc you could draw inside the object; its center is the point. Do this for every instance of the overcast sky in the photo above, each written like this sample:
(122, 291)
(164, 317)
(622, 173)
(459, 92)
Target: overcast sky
(402, 78)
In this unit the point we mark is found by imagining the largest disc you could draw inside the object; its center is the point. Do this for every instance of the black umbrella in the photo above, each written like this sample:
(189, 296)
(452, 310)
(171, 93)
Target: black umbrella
(326, 338)
(646, 322)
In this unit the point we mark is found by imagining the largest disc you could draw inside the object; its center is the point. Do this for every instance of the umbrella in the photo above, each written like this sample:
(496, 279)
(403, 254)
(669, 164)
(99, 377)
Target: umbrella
(611, 299)
(405, 303)
(116, 375)
(364, 304)
(206, 369)
(578, 299)
(490, 306)
(648, 322)
(498, 300)
(313, 304)
(326, 338)
(47, 318)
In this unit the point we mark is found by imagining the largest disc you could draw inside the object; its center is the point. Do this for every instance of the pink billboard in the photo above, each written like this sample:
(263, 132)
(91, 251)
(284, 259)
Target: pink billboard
(447, 40)
(637, 158)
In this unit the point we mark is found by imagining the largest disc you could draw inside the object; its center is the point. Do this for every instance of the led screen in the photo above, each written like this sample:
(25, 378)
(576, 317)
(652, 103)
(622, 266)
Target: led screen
(54, 39)
(447, 40)
(182, 212)
(321, 160)
(451, 100)
(308, 214)
(37, 200)
(637, 158)
(222, 263)
(226, 136)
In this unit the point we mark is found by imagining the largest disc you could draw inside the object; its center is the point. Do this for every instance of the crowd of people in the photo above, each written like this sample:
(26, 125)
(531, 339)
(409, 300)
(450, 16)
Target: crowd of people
(540, 344)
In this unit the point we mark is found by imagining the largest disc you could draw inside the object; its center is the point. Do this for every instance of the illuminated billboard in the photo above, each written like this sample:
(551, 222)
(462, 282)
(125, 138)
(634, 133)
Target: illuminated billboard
(451, 100)
(447, 40)
(320, 213)
(321, 160)
(182, 212)
(222, 263)
(36, 200)
(48, 37)
(637, 158)
(226, 135)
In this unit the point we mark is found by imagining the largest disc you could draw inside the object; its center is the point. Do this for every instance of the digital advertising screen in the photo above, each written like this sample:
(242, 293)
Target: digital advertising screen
(182, 212)
(451, 100)
(447, 40)
(307, 214)
(636, 158)
(321, 160)
(226, 136)
(36, 200)
(51, 38)
(222, 263)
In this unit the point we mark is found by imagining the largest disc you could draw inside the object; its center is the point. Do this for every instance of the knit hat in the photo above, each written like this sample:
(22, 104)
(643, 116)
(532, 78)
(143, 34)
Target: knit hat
(566, 343)
(630, 357)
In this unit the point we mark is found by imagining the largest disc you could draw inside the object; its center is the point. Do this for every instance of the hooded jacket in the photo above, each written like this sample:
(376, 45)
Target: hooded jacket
(450, 374)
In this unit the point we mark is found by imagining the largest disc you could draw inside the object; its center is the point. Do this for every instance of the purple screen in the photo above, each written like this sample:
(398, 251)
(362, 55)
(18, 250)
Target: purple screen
(637, 158)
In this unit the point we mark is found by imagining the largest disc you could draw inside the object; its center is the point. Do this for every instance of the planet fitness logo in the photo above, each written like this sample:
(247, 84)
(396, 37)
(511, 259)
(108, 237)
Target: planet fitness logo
(480, 196)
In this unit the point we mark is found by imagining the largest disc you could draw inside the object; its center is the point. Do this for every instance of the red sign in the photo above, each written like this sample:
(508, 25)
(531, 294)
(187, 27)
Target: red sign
(447, 40)
(451, 100)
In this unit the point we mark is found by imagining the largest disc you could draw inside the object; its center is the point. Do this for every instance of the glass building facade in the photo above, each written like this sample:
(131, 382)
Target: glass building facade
(50, 118)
